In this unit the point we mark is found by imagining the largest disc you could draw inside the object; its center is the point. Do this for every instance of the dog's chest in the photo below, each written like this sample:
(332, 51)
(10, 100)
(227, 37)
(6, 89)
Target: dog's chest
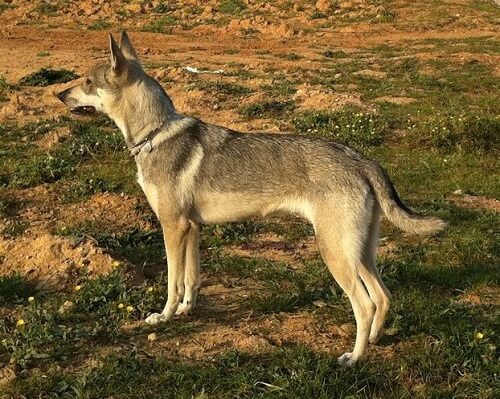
(150, 190)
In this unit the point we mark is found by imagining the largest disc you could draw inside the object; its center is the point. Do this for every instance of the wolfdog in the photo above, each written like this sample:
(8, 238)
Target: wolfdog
(194, 173)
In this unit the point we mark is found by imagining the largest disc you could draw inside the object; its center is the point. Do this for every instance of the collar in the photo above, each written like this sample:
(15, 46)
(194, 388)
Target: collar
(147, 143)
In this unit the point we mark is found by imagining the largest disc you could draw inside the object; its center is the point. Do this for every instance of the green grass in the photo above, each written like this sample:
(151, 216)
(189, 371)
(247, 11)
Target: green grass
(267, 109)
(162, 25)
(447, 139)
(352, 127)
(47, 77)
(99, 25)
(233, 7)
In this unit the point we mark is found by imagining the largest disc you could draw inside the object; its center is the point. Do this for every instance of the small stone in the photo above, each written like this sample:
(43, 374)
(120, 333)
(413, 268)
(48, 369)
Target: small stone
(152, 337)
(323, 5)
(320, 303)
(458, 192)
(65, 307)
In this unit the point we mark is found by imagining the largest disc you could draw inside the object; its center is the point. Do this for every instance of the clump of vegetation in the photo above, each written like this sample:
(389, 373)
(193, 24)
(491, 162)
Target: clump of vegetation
(162, 25)
(47, 77)
(46, 8)
(233, 7)
(4, 87)
(100, 24)
(461, 132)
(354, 128)
(334, 54)
(14, 288)
(267, 109)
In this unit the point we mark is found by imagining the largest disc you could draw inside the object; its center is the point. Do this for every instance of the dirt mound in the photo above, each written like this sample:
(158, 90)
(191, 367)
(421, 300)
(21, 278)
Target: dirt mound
(51, 261)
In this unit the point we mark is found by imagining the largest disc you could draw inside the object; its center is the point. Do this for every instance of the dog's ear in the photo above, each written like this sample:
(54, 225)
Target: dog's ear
(127, 48)
(118, 61)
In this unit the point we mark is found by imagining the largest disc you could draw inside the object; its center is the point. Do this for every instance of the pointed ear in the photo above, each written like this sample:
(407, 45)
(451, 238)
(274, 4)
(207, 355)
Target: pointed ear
(118, 61)
(127, 48)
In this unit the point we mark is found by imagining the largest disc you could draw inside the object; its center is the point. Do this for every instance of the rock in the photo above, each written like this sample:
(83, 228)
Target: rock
(134, 8)
(152, 337)
(323, 5)
(65, 307)
(458, 192)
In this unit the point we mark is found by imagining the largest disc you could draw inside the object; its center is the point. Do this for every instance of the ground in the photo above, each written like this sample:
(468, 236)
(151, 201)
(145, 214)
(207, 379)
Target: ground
(412, 84)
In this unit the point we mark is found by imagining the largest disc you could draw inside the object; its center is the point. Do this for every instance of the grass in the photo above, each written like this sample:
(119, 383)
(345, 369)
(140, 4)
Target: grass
(161, 25)
(350, 126)
(232, 7)
(4, 87)
(267, 109)
(444, 344)
(47, 77)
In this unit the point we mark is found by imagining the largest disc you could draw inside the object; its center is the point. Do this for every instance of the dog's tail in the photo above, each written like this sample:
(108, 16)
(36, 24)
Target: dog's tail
(395, 210)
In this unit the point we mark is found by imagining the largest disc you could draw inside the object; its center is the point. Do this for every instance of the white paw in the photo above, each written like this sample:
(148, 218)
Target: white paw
(155, 318)
(184, 308)
(347, 359)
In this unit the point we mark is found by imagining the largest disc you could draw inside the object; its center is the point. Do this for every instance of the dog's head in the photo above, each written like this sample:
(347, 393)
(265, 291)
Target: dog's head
(102, 88)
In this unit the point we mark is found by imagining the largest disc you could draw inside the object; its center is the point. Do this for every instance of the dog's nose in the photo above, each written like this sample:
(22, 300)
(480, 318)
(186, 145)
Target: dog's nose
(62, 95)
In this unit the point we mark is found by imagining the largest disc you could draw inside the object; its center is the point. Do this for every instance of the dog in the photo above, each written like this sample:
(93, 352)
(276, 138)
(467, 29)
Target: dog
(195, 173)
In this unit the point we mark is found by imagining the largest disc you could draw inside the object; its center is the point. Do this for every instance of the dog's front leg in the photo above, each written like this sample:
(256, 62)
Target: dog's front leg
(175, 234)
(192, 270)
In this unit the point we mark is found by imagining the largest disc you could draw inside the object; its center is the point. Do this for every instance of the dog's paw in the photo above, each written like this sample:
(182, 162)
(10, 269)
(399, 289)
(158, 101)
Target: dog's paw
(184, 308)
(347, 360)
(155, 318)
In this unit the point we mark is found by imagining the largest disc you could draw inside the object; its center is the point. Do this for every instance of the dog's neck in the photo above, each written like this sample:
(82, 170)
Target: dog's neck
(142, 109)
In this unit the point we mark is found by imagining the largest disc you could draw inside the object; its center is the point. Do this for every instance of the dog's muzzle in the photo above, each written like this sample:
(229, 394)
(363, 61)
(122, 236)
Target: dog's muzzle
(84, 110)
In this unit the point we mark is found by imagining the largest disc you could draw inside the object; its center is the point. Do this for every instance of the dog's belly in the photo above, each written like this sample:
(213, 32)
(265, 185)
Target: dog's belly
(215, 208)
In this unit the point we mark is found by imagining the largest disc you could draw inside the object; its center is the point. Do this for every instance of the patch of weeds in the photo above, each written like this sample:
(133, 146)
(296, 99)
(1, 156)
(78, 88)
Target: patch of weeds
(40, 168)
(233, 7)
(164, 7)
(280, 87)
(360, 130)
(46, 8)
(267, 109)
(14, 229)
(47, 77)
(162, 25)
(8, 207)
(4, 87)
(15, 288)
(465, 132)
(86, 186)
(99, 24)
(385, 16)
(289, 56)
(5, 6)
(318, 15)
(334, 54)
(43, 54)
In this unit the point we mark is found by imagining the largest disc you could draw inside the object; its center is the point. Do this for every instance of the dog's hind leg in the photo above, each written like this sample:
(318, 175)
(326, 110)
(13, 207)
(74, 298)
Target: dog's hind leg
(175, 235)
(192, 271)
(340, 245)
(379, 293)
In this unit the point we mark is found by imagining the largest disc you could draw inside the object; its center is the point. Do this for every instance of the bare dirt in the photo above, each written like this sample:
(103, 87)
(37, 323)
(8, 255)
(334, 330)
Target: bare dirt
(32, 37)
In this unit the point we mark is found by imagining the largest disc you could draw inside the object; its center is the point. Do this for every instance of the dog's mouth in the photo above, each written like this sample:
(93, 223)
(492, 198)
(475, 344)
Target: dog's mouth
(85, 110)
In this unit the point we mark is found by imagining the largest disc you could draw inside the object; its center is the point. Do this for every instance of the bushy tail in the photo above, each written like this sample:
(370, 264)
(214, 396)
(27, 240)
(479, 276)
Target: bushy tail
(395, 210)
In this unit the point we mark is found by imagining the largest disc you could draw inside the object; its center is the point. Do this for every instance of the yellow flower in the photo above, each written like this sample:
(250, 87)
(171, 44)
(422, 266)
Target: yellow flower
(150, 289)
(479, 335)
(77, 288)
(121, 306)
(20, 323)
(31, 299)
(116, 263)
(130, 308)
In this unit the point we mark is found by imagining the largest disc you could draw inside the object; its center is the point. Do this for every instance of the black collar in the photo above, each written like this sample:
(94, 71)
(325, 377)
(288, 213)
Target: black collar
(147, 143)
